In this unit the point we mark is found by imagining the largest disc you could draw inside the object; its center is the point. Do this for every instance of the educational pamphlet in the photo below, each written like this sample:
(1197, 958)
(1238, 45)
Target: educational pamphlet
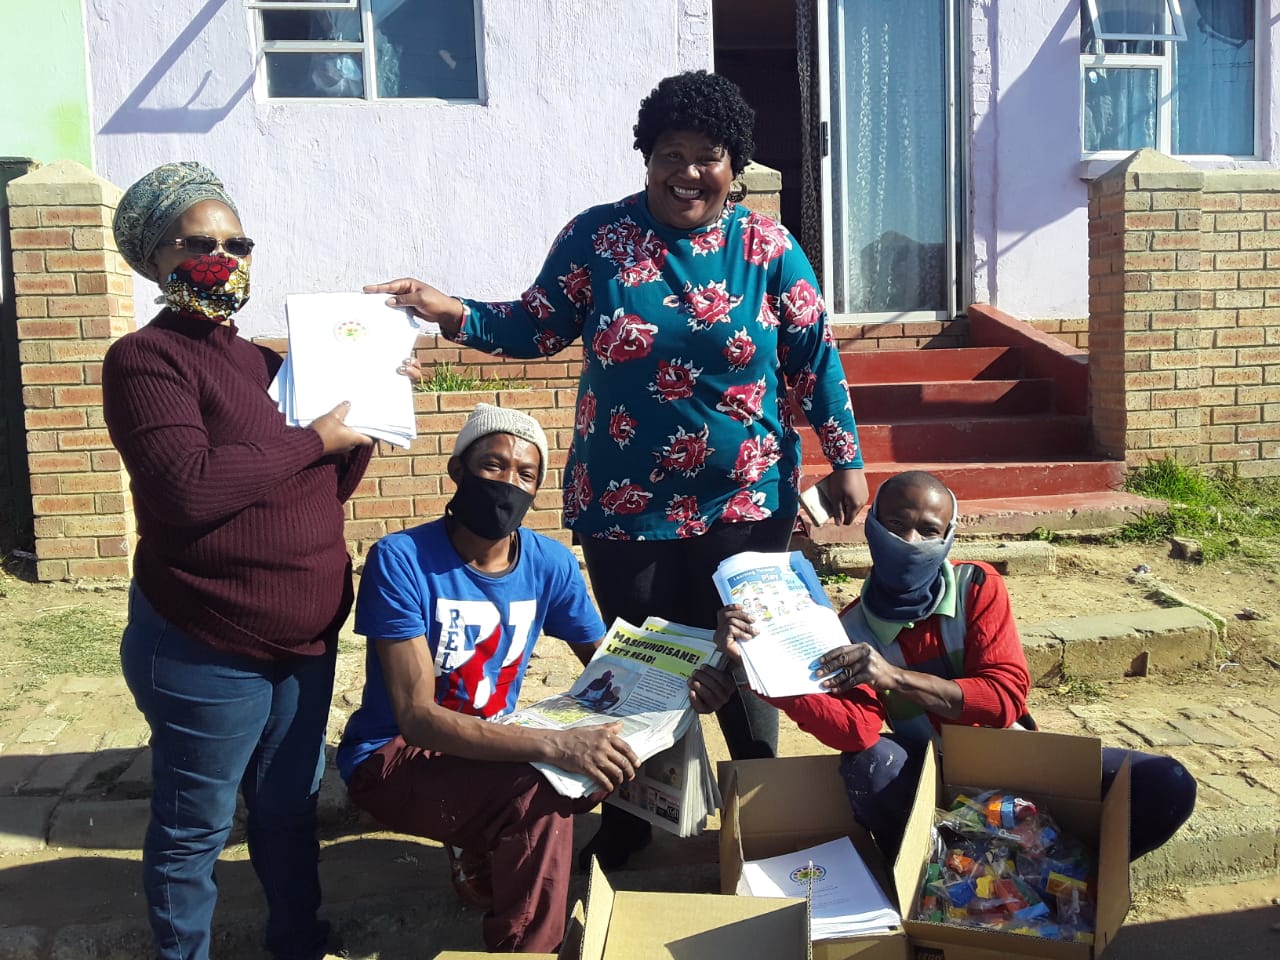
(794, 629)
(639, 676)
(845, 899)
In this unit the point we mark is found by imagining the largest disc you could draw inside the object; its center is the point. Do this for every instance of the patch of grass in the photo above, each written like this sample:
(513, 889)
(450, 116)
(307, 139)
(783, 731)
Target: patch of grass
(829, 577)
(81, 639)
(1231, 516)
(445, 379)
(1078, 689)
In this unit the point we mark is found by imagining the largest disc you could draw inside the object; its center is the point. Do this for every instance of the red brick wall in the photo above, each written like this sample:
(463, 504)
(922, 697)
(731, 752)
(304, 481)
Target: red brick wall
(74, 296)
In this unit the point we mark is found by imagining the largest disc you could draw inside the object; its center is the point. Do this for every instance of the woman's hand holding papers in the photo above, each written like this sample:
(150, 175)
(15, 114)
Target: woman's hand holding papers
(710, 689)
(335, 434)
(424, 300)
(597, 751)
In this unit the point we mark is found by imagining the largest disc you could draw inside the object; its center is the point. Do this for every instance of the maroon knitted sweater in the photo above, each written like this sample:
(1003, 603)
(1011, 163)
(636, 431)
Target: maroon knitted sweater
(239, 516)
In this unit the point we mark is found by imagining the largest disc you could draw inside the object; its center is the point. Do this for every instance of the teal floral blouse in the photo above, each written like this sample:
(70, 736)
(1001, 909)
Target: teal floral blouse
(694, 345)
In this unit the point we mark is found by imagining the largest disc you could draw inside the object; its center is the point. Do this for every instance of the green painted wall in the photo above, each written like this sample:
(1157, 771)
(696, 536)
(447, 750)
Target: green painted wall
(43, 73)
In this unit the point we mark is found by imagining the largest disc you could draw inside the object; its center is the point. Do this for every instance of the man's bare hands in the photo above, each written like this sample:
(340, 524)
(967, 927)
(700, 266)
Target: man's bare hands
(850, 666)
(599, 752)
(424, 300)
(710, 689)
(335, 434)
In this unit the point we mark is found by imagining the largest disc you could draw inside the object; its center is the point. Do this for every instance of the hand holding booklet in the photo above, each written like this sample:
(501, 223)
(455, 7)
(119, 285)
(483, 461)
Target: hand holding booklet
(640, 677)
(347, 346)
(794, 629)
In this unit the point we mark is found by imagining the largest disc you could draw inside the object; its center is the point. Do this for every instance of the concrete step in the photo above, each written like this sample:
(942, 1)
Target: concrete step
(1028, 437)
(993, 481)
(887, 402)
(917, 366)
(1018, 516)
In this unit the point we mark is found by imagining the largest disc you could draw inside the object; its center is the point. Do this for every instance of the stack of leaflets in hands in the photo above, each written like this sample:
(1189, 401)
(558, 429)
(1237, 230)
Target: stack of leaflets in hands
(639, 676)
(347, 346)
(794, 629)
(844, 898)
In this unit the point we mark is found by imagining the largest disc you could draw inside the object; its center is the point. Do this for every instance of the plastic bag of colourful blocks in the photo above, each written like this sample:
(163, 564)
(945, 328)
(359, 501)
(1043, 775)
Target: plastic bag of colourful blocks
(999, 862)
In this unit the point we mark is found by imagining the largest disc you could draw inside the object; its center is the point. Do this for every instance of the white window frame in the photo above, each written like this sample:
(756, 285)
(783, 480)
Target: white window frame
(365, 48)
(1164, 112)
(1177, 28)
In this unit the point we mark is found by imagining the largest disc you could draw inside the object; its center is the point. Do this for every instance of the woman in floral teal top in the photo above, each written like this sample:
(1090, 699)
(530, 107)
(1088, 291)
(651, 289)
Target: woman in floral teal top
(700, 322)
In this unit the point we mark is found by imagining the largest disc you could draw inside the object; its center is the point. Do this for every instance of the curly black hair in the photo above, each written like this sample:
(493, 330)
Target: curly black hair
(701, 101)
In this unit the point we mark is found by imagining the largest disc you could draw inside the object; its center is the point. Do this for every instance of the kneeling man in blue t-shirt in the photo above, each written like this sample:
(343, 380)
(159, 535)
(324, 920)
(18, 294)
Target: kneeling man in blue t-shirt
(452, 610)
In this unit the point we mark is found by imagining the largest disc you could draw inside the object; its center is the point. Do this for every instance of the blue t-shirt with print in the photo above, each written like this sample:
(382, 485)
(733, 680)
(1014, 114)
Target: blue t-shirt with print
(481, 628)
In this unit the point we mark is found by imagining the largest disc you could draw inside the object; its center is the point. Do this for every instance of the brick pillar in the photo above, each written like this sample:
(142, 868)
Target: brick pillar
(74, 296)
(1144, 309)
(764, 189)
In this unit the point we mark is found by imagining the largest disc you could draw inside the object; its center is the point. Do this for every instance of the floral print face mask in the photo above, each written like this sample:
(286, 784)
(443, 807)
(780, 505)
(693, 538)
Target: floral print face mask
(214, 286)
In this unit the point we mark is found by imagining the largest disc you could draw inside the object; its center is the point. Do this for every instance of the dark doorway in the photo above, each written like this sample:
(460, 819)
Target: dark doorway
(755, 47)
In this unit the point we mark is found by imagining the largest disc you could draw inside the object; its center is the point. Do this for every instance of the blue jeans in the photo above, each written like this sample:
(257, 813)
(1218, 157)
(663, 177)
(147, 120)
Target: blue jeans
(222, 723)
(881, 782)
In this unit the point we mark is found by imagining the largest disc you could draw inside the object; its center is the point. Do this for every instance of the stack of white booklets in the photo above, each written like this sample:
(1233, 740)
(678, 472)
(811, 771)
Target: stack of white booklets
(794, 630)
(347, 346)
(844, 899)
(639, 676)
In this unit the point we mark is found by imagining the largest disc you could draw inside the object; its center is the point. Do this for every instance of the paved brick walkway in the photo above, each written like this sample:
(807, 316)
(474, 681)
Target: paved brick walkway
(75, 776)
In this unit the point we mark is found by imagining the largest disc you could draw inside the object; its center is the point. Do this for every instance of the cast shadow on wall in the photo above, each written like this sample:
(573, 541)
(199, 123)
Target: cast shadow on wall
(133, 116)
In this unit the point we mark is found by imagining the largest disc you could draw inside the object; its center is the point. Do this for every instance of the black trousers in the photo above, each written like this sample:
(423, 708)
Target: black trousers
(634, 579)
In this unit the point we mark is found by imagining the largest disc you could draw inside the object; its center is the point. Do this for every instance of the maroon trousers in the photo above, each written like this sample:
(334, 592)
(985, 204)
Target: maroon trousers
(508, 809)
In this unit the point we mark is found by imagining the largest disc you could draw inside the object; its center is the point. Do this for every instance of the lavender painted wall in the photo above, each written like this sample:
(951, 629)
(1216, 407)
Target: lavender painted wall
(1028, 203)
(338, 194)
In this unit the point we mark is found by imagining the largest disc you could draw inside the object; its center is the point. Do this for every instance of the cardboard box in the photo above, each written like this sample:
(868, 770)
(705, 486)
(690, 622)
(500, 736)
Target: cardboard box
(632, 925)
(772, 807)
(1062, 772)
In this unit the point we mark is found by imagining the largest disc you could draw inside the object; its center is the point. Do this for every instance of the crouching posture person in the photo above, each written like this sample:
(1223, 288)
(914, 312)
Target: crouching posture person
(452, 610)
(933, 642)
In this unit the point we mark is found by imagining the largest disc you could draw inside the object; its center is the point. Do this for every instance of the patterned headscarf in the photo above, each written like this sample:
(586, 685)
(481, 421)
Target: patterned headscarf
(149, 206)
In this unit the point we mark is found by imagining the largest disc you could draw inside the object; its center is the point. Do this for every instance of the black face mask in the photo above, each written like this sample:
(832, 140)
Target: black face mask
(491, 509)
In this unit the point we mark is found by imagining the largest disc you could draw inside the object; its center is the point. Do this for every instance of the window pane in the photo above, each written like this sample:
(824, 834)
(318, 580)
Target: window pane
(1213, 72)
(314, 75)
(311, 25)
(426, 48)
(1120, 108)
(889, 172)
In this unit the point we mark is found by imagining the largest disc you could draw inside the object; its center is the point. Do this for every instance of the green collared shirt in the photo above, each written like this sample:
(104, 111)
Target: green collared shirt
(886, 631)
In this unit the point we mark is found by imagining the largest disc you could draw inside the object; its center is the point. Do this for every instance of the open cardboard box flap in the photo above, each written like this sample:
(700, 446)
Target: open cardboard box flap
(1063, 770)
(631, 925)
(773, 807)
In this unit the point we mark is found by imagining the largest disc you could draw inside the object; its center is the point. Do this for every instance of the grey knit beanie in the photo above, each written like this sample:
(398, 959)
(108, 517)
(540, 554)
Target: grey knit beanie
(486, 419)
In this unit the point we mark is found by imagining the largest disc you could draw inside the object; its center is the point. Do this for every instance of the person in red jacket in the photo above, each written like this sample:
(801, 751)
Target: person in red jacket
(934, 641)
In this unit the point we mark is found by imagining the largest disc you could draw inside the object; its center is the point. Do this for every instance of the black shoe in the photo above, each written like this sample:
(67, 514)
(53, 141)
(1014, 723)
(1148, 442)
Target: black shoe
(618, 838)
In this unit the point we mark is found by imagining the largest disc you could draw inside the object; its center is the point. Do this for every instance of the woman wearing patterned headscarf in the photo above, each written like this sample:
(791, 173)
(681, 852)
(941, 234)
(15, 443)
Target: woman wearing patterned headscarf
(241, 574)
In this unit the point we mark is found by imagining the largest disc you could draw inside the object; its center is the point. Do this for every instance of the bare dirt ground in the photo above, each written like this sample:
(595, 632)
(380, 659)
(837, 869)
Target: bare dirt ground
(364, 867)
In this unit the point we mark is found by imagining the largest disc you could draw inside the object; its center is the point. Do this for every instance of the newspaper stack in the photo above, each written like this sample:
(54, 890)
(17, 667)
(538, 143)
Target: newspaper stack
(639, 676)
(844, 899)
(347, 346)
(794, 629)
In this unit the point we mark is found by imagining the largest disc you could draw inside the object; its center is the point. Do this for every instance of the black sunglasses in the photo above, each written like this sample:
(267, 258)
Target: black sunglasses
(202, 246)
